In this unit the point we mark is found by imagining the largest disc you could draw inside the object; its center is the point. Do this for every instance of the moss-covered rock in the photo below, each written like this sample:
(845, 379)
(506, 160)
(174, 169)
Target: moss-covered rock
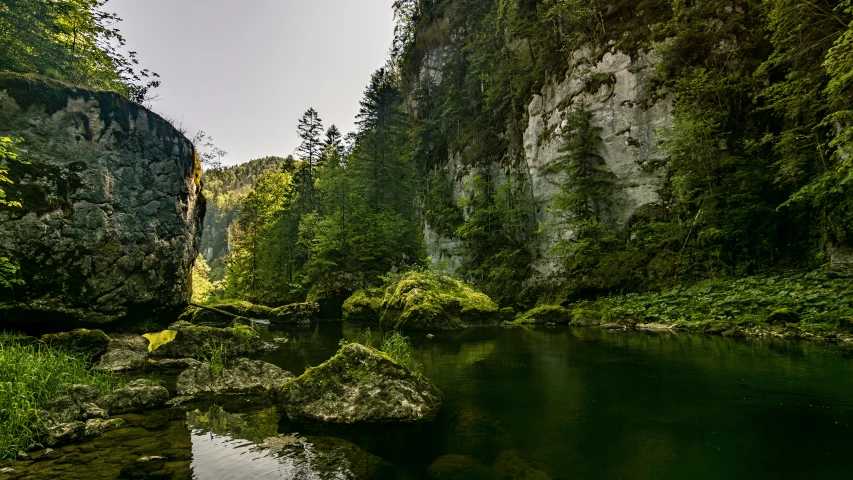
(584, 317)
(137, 395)
(545, 314)
(783, 316)
(224, 313)
(241, 376)
(457, 467)
(424, 301)
(359, 384)
(364, 305)
(196, 342)
(82, 342)
(511, 465)
(294, 313)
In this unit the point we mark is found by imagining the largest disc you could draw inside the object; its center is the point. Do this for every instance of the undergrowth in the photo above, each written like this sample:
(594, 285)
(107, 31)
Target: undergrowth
(216, 358)
(31, 376)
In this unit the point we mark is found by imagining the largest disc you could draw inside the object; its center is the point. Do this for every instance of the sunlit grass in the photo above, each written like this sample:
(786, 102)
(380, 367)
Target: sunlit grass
(31, 376)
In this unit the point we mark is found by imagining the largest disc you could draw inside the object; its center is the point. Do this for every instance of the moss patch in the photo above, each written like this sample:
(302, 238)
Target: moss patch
(544, 314)
(364, 305)
(425, 301)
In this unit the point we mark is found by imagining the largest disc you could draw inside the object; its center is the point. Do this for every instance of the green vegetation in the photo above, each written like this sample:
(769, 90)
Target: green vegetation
(364, 304)
(32, 375)
(9, 152)
(544, 314)
(216, 358)
(399, 348)
(427, 301)
(75, 41)
(811, 303)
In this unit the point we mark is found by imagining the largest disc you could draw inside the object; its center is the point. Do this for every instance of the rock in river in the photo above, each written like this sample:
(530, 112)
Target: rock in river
(126, 351)
(111, 208)
(241, 376)
(359, 384)
(137, 395)
(197, 341)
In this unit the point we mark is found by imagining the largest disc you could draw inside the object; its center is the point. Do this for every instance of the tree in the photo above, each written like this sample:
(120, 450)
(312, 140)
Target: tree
(71, 40)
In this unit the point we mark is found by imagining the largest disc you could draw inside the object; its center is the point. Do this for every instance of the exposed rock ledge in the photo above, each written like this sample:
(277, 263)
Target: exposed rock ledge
(112, 208)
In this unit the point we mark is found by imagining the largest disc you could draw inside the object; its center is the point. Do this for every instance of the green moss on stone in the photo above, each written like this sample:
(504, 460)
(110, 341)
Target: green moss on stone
(364, 305)
(425, 301)
(544, 314)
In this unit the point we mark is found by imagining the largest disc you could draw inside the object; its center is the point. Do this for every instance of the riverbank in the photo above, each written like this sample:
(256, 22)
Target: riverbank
(816, 305)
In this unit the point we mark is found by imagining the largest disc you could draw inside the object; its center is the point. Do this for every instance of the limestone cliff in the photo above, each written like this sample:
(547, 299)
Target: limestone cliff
(627, 108)
(112, 208)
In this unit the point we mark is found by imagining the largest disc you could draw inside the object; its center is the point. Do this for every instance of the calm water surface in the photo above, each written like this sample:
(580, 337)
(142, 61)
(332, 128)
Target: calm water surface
(567, 403)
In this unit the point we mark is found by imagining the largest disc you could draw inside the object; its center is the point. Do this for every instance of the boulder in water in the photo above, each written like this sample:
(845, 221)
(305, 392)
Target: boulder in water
(137, 395)
(87, 343)
(364, 305)
(545, 314)
(359, 384)
(295, 313)
(196, 342)
(424, 301)
(240, 376)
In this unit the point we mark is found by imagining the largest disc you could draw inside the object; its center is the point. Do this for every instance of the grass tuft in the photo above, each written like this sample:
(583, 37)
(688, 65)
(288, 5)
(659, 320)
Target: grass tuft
(32, 375)
(399, 348)
(216, 358)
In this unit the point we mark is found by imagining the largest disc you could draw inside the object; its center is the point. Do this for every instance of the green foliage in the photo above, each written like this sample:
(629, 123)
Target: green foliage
(9, 152)
(820, 298)
(72, 40)
(544, 314)
(245, 333)
(32, 375)
(399, 348)
(216, 358)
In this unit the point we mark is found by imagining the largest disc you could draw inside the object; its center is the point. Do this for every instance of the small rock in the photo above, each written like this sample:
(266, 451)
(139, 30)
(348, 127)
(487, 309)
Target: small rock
(241, 376)
(783, 316)
(430, 336)
(359, 384)
(175, 363)
(82, 342)
(98, 426)
(22, 455)
(64, 433)
(125, 352)
(7, 471)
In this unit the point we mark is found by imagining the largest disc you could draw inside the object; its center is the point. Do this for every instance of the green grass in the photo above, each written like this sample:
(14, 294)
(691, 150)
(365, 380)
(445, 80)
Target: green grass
(216, 358)
(31, 376)
(399, 348)
(245, 333)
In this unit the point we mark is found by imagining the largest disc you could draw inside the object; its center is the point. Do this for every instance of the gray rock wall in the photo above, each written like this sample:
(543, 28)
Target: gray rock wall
(112, 207)
(627, 108)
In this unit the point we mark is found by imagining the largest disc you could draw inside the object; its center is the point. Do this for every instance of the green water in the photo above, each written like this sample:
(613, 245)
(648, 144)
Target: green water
(551, 401)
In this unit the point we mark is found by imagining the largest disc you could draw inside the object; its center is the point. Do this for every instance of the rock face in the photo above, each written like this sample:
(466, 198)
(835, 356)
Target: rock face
(430, 302)
(242, 376)
(619, 90)
(112, 207)
(359, 384)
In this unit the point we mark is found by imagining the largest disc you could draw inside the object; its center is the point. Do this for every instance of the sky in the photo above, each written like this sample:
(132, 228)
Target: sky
(244, 72)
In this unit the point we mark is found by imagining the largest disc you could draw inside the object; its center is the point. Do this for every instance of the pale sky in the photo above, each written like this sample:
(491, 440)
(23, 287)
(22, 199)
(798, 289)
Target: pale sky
(245, 71)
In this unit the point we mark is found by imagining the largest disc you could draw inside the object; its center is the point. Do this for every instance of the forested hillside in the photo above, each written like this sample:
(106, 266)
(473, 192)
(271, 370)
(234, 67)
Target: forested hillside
(560, 150)
(224, 189)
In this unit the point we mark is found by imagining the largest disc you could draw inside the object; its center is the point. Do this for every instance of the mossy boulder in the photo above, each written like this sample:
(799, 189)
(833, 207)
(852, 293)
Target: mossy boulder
(359, 384)
(196, 342)
(294, 313)
(584, 317)
(511, 465)
(544, 314)
(332, 289)
(783, 316)
(82, 342)
(364, 305)
(424, 301)
(457, 467)
(240, 376)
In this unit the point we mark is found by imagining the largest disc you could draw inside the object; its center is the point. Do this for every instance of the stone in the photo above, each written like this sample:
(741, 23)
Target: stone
(324, 458)
(554, 314)
(364, 305)
(80, 342)
(125, 352)
(582, 317)
(294, 313)
(510, 465)
(196, 342)
(783, 316)
(175, 363)
(112, 208)
(457, 467)
(64, 433)
(97, 426)
(425, 301)
(240, 376)
(137, 395)
(180, 324)
(359, 384)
